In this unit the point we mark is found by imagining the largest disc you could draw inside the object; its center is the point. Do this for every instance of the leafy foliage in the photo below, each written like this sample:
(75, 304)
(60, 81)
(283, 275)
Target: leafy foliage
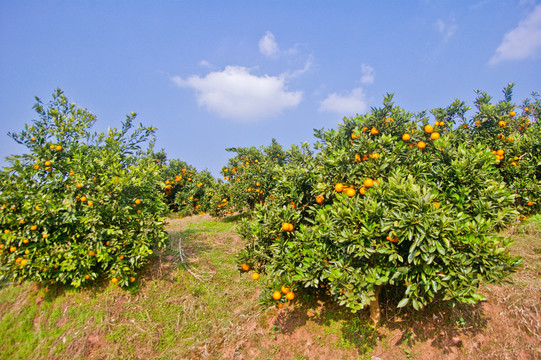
(80, 205)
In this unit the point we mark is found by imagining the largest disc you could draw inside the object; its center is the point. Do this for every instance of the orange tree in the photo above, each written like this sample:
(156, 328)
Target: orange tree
(79, 206)
(174, 176)
(250, 176)
(194, 191)
(390, 201)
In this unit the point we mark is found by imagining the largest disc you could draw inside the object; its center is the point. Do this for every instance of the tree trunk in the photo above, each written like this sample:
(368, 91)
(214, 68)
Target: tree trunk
(375, 313)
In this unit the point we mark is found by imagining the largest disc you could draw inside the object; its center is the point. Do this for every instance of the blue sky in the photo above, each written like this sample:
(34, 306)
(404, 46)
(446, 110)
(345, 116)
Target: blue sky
(217, 74)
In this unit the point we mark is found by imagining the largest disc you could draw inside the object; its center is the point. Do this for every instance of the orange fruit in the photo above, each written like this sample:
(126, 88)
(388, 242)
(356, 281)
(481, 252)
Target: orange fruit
(91, 253)
(500, 152)
(45, 236)
(36, 167)
(436, 204)
(114, 280)
(284, 289)
(83, 198)
(368, 183)
(320, 199)
(277, 295)
(374, 131)
(59, 148)
(362, 190)
(290, 295)
(137, 201)
(434, 136)
(406, 137)
(339, 187)
(47, 163)
(357, 158)
(501, 123)
(245, 267)
(429, 129)
(12, 249)
(392, 239)
(530, 203)
(34, 139)
(350, 192)
(512, 113)
(442, 123)
(525, 109)
(421, 145)
(280, 305)
(79, 186)
(132, 279)
(87, 277)
(90, 203)
(255, 276)
(33, 227)
(353, 136)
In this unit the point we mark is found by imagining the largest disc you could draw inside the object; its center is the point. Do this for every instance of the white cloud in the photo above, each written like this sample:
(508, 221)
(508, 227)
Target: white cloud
(268, 46)
(205, 63)
(447, 30)
(235, 93)
(522, 42)
(349, 104)
(368, 74)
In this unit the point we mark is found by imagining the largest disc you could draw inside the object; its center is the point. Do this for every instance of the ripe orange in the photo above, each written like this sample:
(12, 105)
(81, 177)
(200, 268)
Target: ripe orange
(280, 305)
(245, 267)
(501, 123)
(285, 289)
(132, 279)
(406, 137)
(362, 190)
(33, 227)
(45, 236)
(500, 152)
(374, 131)
(421, 144)
(290, 295)
(255, 276)
(12, 249)
(353, 136)
(434, 136)
(368, 183)
(114, 280)
(83, 198)
(512, 113)
(526, 109)
(357, 158)
(429, 129)
(436, 204)
(277, 295)
(137, 201)
(47, 163)
(320, 199)
(90, 203)
(79, 186)
(339, 187)
(442, 123)
(392, 239)
(59, 148)
(91, 253)
(36, 167)
(530, 203)
(350, 192)
(87, 277)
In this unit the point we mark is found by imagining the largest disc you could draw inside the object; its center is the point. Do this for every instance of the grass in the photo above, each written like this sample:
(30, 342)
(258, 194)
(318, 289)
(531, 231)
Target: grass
(192, 302)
